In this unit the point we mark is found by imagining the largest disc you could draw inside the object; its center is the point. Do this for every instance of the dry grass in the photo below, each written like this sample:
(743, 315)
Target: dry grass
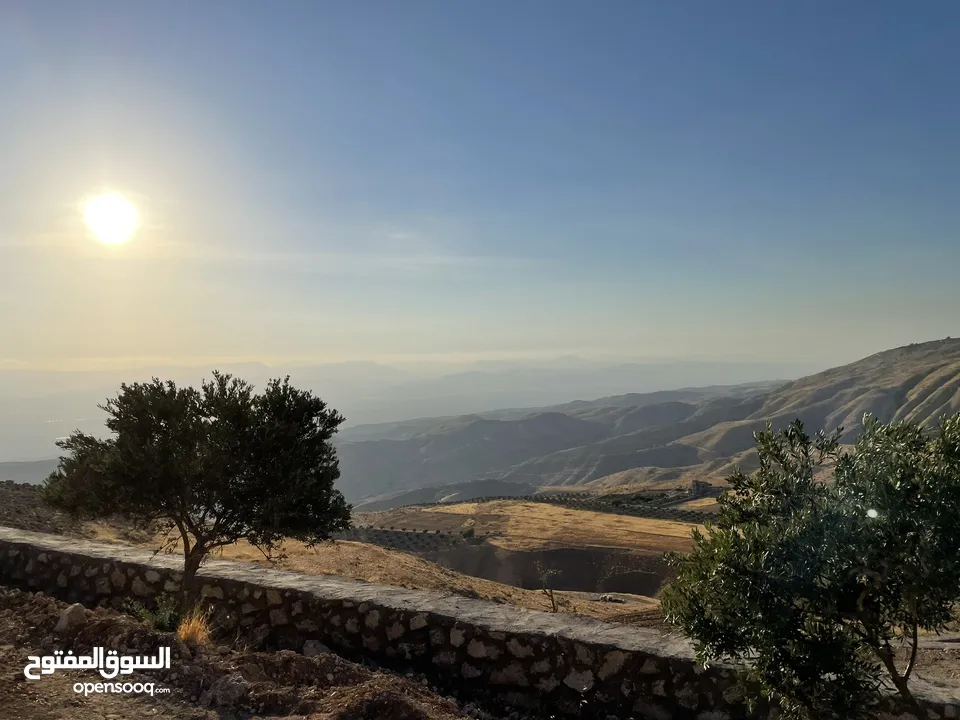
(698, 504)
(375, 564)
(194, 628)
(519, 525)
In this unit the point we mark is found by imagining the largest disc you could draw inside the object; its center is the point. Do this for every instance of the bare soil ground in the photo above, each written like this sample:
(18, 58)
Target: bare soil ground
(519, 525)
(203, 683)
(20, 508)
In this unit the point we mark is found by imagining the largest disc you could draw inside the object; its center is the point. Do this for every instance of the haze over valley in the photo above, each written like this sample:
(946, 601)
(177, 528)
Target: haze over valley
(514, 429)
(36, 407)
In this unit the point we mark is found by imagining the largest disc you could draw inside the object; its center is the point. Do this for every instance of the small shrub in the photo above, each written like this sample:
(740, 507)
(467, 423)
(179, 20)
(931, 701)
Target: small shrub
(195, 627)
(468, 533)
(165, 618)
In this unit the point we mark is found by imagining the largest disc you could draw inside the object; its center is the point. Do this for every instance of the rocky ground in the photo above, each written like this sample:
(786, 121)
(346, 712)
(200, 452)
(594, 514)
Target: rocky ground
(203, 683)
(20, 508)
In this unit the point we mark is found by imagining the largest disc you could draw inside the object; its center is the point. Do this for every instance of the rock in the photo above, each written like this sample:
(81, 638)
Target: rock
(140, 588)
(477, 649)
(73, 616)
(688, 696)
(540, 667)
(445, 658)
(650, 667)
(612, 664)
(211, 591)
(469, 671)
(579, 681)
(259, 635)
(548, 684)
(418, 621)
(512, 674)
(518, 649)
(225, 691)
(395, 631)
(584, 655)
(315, 647)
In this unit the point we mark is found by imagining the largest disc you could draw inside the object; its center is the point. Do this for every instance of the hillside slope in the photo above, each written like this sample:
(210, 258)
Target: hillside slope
(671, 436)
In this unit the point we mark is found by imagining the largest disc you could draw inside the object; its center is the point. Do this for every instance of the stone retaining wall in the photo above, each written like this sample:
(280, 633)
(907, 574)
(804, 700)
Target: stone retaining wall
(562, 664)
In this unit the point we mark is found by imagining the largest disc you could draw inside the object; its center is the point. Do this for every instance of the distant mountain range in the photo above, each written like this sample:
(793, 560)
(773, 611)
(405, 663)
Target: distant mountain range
(470, 448)
(37, 407)
(650, 438)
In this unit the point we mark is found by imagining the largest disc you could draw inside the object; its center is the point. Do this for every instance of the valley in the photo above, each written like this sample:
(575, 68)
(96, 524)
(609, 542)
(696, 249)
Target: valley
(654, 441)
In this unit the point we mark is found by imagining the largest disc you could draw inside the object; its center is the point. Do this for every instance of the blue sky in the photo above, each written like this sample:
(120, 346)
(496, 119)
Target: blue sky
(377, 180)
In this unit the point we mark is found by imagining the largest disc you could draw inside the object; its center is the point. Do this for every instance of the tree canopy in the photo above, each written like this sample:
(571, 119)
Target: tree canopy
(213, 465)
(815, 585)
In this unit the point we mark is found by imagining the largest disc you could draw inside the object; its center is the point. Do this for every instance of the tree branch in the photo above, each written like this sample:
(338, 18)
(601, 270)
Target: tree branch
(184, 535)
(913, 651)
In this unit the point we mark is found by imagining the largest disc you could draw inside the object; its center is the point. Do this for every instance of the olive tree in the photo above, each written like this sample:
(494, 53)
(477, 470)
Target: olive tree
(820, 589)
(210, 466)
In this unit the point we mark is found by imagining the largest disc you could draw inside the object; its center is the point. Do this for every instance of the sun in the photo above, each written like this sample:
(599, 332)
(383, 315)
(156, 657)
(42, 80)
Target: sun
(111, 218)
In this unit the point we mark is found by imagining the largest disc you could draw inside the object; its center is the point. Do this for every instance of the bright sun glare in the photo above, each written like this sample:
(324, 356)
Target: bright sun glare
(111, 218)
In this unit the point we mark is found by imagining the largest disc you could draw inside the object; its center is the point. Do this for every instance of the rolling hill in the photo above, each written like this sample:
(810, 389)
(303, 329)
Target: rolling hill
(664, 437)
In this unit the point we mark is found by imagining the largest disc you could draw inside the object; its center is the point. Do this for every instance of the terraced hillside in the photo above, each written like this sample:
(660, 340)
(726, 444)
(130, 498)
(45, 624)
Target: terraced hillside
(651, 440)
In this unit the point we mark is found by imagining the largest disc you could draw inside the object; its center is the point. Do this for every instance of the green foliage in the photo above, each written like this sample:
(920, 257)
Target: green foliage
(813, 585)
(468, 533)
(165, 617)
(213, 465)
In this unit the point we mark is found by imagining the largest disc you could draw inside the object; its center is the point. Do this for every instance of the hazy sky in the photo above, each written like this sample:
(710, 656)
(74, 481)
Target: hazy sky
(376, 180)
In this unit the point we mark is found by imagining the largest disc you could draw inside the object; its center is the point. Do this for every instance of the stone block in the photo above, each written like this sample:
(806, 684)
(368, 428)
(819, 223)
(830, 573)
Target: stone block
(512, 674)
(418, 621)
(579, 680)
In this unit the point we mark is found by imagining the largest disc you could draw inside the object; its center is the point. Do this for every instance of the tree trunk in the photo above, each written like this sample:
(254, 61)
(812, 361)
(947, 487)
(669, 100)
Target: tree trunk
(900, 682)
(189, 592)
